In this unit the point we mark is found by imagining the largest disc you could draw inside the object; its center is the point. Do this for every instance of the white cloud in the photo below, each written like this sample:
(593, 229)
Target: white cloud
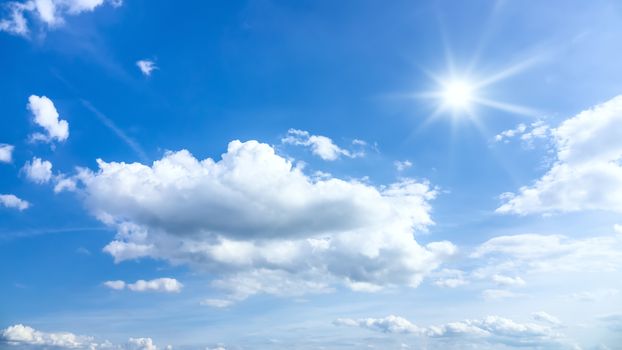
(46, 116)
(12, 201)
(450, 278)
(402, 165)
(542, 316)
(507, 280)
(527, 133)
(491, 329)
(262, 224)
(587, 174)
(141, 344)
(595, 295)
(164, 285)
(50, 13)
(116, 285)
(219, 303)
(38, 171)
(549, 253)
(617, 228)
(322, 146)
(146, 66)
(6, 153)
(20, 335)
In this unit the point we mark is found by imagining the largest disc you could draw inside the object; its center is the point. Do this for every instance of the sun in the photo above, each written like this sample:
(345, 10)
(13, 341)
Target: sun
(458, 94)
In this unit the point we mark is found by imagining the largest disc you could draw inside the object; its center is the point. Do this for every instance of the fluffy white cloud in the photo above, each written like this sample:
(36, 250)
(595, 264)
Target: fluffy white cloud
(24, 335)
(21, 336)
(146, 66)
(219, 303)
(262, 224)
(141, 344)
(587, 174)
(50, 13)
(164, 285)
(6, 153)
(38, 171)
(45, 115)
(12, 201)
(322, 146)
(493, 329)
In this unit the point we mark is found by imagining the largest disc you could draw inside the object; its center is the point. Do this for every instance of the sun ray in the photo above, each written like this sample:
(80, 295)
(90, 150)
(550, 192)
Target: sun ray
(508, 107)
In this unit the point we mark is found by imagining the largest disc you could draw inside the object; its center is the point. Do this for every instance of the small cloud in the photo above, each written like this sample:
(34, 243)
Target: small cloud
(402, 165)
(542, 316)
(83, 251)
(146, 66)
(12, 201)
(323, 146)
(116, 285)
(508, 281)
(46, 116)
(218, 303)
(38, 171)
(617, 228)
(6, 153)
(164, 285)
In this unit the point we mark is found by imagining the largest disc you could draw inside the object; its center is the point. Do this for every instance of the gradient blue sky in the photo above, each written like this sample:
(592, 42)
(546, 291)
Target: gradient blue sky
(347, 102)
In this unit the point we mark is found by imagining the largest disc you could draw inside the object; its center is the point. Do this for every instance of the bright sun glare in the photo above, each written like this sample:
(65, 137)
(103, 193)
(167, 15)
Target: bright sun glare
(458, 94)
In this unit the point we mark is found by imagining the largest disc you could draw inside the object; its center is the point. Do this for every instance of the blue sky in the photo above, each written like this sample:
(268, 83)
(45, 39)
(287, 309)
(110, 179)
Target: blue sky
(310, 175)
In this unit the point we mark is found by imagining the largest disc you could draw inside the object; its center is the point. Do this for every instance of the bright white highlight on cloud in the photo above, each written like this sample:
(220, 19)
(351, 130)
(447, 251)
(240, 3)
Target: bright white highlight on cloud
(146, 66)
(38, 171)
(6, 153)
(587, 174)
(45, 115)
(322, 146)
(51, 13)
(164, 285)
(12, 201)
(492, 329)
(263, 224)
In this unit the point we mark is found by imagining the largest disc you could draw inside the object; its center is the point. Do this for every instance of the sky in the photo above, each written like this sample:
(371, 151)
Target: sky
(270, 174)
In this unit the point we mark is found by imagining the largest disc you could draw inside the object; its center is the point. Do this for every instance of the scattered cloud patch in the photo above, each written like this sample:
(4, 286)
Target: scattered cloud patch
(46, 116)
(507, 280)
(451, 278)
(38, 171)
(322, 146)
(49, 13)
(146, 66)
(218, 303)
(542, 316)
(587, 174)
(12, 201)
(20, 335)
(548, 253)
(164, 285)
(490, 329)
(526, 133)
(6, 153)
(402, 165)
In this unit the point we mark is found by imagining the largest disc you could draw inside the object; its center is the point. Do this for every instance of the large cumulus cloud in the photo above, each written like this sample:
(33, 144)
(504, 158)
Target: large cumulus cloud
(254, 216)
